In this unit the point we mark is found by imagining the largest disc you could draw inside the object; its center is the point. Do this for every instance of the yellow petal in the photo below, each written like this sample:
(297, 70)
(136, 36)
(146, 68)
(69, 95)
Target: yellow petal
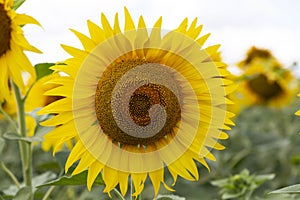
(86, 160)
(129, 24)
(86, 42)
(123, 182)
(156, 178)
(96, 33)
(75, 154)
(4, 89)
(110, 178)
(202, 39)
(22, 19)
(61, 118)
(94, 170)
(117, 29)
(106, 26)
(61, 105)
(138, 182)
(30, 125)
(74, 51)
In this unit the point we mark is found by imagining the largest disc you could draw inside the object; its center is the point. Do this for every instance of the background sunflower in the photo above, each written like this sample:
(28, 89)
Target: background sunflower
(13, 62)
(264, 80)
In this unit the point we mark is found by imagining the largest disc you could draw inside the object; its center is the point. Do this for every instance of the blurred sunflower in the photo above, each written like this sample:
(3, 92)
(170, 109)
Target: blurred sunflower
(13, 61)
(140, 100)
(35, 99)
(264, 81)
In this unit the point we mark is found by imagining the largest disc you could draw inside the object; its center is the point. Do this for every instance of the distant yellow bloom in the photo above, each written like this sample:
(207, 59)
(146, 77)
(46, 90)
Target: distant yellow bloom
(260, 54)
(13, 61)
(264, 80)
(9, 105)
(35, 99)
(140, 100)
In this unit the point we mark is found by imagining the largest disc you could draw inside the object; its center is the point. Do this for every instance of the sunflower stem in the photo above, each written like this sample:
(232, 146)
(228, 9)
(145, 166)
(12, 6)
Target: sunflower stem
(25, 147)
(10, 174)
(50, 190)
(118, 193)
(48, 193)
(28, 91)
(131, 189)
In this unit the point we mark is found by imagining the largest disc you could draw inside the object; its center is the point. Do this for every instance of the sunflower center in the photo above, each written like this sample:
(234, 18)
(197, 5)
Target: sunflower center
(5, 31)
(264, 88)
(131, 114)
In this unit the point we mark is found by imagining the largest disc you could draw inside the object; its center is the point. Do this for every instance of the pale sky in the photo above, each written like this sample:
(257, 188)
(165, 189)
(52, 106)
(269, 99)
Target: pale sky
(235, 24)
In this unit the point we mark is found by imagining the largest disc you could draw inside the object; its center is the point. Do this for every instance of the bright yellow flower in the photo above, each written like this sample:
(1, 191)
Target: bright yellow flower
(9, 105)
(140, 100)
(35, 99)
(264, 80)
(258, 53)
(13, 61)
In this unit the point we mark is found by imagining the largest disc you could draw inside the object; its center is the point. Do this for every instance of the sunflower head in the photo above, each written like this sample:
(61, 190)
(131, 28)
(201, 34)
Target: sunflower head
(13, 62)
(265, 81)
(5, 30)
(254, 54)
(139, 100)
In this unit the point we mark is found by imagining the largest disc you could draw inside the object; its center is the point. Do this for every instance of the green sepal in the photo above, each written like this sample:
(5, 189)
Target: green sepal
(17, 4)
(43, 69)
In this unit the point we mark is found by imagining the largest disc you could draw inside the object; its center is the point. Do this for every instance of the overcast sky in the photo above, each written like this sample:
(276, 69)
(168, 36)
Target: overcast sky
(235, 24)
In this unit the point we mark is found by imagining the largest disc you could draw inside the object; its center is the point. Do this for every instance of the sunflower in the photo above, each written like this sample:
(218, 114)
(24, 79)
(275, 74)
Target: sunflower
(35, 99)
(138, 101)
(258, 53)
(265, 81)
(13, 61)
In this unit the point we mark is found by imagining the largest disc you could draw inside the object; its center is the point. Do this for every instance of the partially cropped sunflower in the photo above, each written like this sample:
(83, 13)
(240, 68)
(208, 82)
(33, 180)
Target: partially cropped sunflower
(264, 81)
(138, 101)
(13, 61)
(35, 99)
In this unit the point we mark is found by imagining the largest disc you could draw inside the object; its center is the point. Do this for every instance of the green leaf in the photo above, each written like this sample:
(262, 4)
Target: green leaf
(23, 194)
(170, 197)
(220, 183)
(78, 179)
(2, 144)
(260, 179)
(42, 178)
(16, 136)
(42, 69)
(293, 189)
(228, 195)
(17, 4)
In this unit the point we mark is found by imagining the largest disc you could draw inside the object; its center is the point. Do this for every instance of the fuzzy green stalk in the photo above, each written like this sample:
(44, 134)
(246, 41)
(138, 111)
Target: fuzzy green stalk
(25, 147)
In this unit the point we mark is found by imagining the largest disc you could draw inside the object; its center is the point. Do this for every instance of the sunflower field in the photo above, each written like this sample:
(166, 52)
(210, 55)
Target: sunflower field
(141, 112)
